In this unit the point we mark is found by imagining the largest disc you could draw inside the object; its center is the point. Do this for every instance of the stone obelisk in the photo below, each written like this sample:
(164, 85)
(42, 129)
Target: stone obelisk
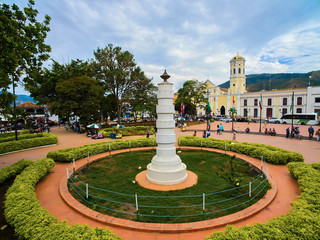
(166, 167)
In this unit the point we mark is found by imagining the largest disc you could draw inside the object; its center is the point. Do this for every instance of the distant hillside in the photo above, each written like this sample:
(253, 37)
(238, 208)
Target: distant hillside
(266, 81)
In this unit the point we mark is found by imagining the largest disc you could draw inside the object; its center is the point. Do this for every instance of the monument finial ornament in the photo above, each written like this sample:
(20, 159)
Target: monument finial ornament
(165, 76)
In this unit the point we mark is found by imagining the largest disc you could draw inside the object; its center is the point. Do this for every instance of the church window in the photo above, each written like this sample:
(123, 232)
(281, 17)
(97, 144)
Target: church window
(234, 71)
(234, 85)
(256, 102)
(255, 112)
(245, 112)
(239, 70)
(269, 102)
(299, 100)
(284, 101)
(245, 102)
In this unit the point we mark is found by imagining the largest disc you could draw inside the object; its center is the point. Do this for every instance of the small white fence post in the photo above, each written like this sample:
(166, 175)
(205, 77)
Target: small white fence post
(249, 189)
(204, 202)
(87, 190)
(74, 166)
(136, 197)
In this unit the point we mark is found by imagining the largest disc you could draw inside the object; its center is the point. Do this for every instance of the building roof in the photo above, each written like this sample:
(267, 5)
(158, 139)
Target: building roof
(28, 105)
(238, 57)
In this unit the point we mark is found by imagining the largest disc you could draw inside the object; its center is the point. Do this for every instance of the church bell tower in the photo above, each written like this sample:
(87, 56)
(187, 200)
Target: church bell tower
(237, 75)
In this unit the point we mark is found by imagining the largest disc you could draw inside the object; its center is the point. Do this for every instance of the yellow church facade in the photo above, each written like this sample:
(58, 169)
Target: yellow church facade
(275, 103)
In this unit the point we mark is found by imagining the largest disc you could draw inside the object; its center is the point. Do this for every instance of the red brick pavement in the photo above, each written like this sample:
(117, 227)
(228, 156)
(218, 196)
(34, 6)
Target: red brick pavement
(48, 189)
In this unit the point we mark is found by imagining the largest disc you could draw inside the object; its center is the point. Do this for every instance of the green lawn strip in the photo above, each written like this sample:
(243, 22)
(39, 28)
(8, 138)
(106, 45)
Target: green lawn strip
(301, 223)
(117, 173)
(31, 221)
(40, 140)
(271, 154)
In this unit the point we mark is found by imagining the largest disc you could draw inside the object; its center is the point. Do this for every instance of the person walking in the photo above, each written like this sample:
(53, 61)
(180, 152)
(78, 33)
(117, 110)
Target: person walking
(311, 132)
(148, 133)
(218, 129)
(195, 133)
(221, 128)
(208, 133)
(234, 135)
(204, 134)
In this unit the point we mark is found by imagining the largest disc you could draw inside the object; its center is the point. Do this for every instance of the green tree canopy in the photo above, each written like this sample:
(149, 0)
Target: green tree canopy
(193, 95)
(117, 71)
(142, 96)
(80, 96)
(22, 48)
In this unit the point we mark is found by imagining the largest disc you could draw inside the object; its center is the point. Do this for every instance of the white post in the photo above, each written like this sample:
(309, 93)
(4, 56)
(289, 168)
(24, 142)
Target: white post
(74, 166)
(249, 189)
(204, 202)
(87, 190)
(136, 196)
(109, 147)
(68, 173)
(88, 156)
(267, 173)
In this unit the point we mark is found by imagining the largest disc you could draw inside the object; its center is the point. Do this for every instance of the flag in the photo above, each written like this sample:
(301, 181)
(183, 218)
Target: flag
(208, 107)
(260, 102)
(182, 108)
(233, 106)
(292, 101)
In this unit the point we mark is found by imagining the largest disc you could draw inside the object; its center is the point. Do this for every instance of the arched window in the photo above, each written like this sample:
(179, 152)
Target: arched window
(239, 70)
(234, 71)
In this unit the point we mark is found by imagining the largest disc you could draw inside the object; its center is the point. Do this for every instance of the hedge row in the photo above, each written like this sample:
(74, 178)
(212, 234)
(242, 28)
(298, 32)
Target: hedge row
(128, 131)
(20, 137)
(46, 139)
(301, 223)
(271, 154)
(31, 221)
(11, 171)
(68, 154)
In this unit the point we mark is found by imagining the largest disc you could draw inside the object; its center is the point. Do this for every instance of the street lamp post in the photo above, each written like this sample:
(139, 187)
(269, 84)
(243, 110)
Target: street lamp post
(14, 111)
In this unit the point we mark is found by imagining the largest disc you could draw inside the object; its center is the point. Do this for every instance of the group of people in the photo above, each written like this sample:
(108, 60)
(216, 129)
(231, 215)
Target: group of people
(270, 132)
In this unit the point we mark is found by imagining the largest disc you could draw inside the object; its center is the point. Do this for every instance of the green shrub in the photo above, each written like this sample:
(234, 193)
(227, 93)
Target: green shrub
(31, 221)
(270, 153)
(301, 223)
(68, 154)
(21, 136)
(128, 131)
(13, 170)
(44, 139)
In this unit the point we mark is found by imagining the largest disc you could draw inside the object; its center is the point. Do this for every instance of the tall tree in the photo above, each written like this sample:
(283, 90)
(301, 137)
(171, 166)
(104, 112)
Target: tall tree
(43, 84)
(22, 48)
(80, 96)
(142, 95)
(193, 95)
(117, 71)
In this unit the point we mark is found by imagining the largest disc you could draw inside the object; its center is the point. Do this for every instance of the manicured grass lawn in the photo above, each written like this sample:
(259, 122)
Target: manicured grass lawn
(117, 174)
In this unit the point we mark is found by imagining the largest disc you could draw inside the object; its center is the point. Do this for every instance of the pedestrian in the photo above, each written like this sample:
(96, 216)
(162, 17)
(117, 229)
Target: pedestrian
(318, 135)
(234, 135)
(204, 134)
(287, 132)
(218, 129)
(195, 133)
(221, 128)
(311, 132)
(148, 133)
(208, 133)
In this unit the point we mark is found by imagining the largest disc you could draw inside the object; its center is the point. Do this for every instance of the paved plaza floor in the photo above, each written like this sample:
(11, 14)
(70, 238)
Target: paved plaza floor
(48, 189)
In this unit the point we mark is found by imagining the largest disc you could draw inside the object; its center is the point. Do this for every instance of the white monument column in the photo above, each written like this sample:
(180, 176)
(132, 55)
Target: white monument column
(166, 167)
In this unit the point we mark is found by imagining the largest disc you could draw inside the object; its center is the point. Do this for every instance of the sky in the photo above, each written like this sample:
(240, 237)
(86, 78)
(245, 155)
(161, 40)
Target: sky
(191, 39)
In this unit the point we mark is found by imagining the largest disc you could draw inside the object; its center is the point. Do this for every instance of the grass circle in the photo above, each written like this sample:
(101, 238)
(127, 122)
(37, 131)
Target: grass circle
(113, 189)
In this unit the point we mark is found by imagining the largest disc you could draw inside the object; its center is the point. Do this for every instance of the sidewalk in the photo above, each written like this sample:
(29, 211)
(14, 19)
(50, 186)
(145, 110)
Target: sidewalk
(48, 192)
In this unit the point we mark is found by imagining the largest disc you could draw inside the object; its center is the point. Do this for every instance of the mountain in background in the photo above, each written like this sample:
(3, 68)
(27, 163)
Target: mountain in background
(266, 81)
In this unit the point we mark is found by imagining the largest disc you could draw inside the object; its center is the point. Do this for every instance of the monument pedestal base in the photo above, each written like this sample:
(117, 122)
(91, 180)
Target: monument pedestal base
(167, 177)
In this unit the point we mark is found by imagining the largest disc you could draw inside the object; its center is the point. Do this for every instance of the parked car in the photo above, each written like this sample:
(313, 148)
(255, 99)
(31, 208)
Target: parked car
(244, 119)
(218, 117)
(226, 119)
(273, 120)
